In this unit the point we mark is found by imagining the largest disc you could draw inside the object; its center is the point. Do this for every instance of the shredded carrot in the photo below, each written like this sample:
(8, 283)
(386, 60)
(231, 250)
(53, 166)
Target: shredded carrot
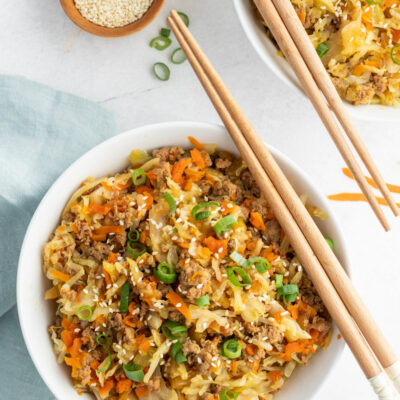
(141, 391)
(179, 168)
(144, 346)
(269, 254)
(108, 385)
(251, 245)
(278, 316)
(99, 238)
(275, 375)
(270, 216)
(250, 348)
(143, 189)
(294, 310)
(226, 207)
(254, 365)
(339, 336)
(94, 364)
(61, 228)
(198, 158)
(257, 221)
(143, 237)
(107, 277)
(234, 366)
(148, 199)
(302, 16)
(124, 386)
(205, 252)
(96, 208)
(60, 275)
(218, 246)
(118, 229)
(193, 175)
(290, 348)
(74, 227)
(67, 337)
(112, 258)
(183, 245)
(395, 35)
(73, 362)
(358, 70)
(180, 305)
(130, 320)
(152, 176)
(196, 143)
(247, 203)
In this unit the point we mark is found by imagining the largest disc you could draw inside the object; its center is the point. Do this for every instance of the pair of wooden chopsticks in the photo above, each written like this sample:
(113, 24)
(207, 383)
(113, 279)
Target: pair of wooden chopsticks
(295, 44)
(325, 271)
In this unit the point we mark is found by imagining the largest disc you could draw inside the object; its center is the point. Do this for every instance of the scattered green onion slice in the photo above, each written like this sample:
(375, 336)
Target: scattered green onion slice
(165, 32)
(322, 49)
(200, 215)
(164, 272)
(160, 42)
(172, 330)
(171, 202)
(288, 293)
(178, 56)
(330, 242)
(102, 339)
(135, 249)
(139, 177)
(239, 259)
(278, 280)
(175, 230)
(161, 71)
(184, 17)
(105, 368)
(134, 372)
(224, 224)
(232, 271)
(177, 353)
(84, 313)
(133, 235)
(373, 3)
(124, 301)
(394, 59)
(203, 301)
(262, 264)
(231, 349)
(228, 395)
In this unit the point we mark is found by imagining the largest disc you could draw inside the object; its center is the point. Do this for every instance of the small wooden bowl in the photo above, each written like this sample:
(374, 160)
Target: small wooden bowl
(76, 17)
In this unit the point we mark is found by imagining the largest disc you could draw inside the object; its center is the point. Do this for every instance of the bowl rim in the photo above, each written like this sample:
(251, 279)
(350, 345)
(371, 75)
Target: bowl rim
(370, 112)
(103, 31)
(34, 353)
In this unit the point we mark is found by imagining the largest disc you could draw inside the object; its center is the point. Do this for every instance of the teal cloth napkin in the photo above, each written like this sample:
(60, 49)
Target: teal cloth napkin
(42, 131)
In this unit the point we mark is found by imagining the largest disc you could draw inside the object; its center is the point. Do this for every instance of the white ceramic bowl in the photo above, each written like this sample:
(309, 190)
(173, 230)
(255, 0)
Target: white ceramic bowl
(36, 314)
(255, 32)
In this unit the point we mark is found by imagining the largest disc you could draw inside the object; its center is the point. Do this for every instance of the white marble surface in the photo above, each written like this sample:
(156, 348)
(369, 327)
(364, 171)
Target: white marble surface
(39, 42)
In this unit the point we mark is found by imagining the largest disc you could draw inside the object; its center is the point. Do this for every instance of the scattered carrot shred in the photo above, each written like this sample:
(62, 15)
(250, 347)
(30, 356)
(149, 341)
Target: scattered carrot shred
(218, 246)
(257, 221)
(144, 346)
(112, 258)
(108, 385)
(180, 305)
(198, 158)
(118, 229)
(124, 386)
(51, 293)
(275, 375)
(130, 320)
(196, 143)
(234, 366)
(60, 275)
(179, 168)
(96, 208)
(141, 391)
(250, 349)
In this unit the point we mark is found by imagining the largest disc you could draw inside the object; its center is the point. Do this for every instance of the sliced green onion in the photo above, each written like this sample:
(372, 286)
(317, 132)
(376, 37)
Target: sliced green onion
(239, 259)
(172, 330)
(105, 368)
(200, 215)
(224, 224)
(135, 249)
(392, 54)
(288, 293)
(124, 302)
(231, 349)
(164, 272)
(372, 2)
(139, 177)
(175, 230)
(171, 202)
(84, 313)
(228, 395)
(161, 71)
(178, 56)
(177, 353)
(278, 280)
(184, 17)
(160, 42)
(165, 32)
(133, 235)
(330, 242)
(322, 49)
(102, 339)
(203, 301)
(262, 264)
(245, 279)
(133, 372)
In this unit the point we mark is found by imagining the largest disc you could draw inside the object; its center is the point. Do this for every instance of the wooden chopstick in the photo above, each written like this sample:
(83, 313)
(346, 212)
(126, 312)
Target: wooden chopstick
(302, 248)
(290, 51)
(315, 65)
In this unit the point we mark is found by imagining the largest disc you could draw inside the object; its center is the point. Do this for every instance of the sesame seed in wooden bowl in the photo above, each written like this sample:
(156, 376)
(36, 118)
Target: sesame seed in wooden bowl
(102, 20)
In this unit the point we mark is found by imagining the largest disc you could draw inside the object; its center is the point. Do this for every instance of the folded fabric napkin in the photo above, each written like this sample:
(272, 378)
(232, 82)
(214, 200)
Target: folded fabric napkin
(42, 132)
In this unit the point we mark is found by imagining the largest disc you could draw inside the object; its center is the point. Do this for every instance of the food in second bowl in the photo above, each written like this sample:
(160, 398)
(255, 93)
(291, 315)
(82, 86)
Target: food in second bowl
(173, 280)
(358, 42)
